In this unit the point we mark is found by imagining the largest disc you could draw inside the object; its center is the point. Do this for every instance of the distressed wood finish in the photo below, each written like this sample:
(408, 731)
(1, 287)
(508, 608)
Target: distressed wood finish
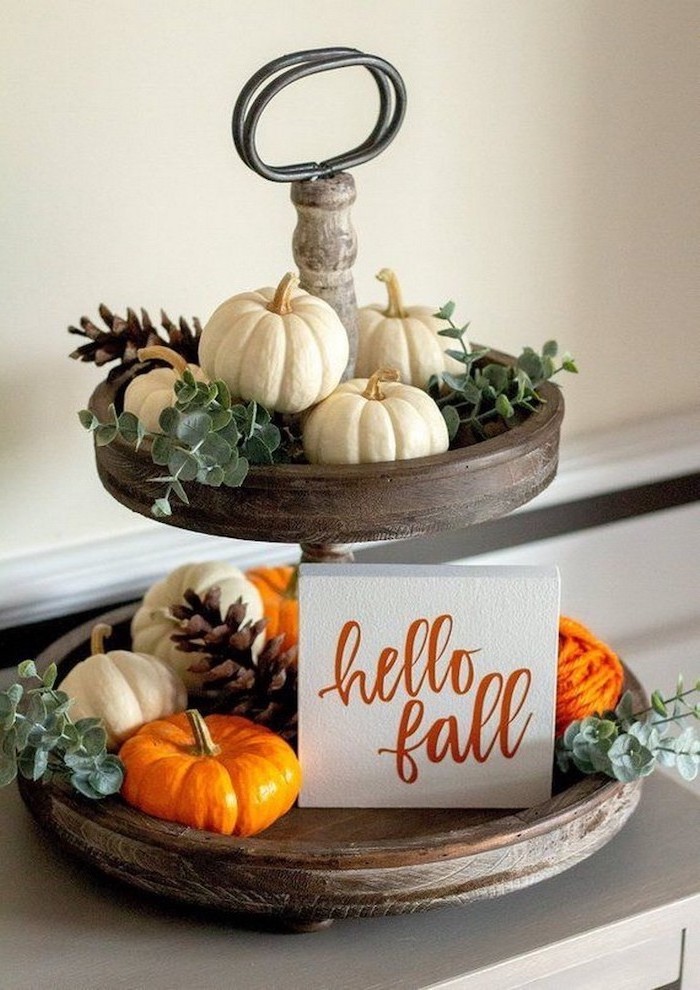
(319, 864)
(321, 505)
(324, 244)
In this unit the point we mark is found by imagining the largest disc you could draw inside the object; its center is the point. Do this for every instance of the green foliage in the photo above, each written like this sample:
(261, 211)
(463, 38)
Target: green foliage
(39, 741)
(490, 391)
(204, 437)
(627, 745)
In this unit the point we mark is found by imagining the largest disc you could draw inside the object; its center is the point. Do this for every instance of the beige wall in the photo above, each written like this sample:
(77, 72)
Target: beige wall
(546, 178)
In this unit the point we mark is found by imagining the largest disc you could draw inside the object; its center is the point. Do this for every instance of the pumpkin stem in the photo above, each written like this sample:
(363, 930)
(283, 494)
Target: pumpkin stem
(281, 303)
(98, 635)
(204, 745)
(157, 352)
(395, 308)
(373, 388)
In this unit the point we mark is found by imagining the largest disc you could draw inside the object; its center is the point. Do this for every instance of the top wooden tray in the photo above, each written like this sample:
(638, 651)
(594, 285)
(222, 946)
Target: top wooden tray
(300, 503)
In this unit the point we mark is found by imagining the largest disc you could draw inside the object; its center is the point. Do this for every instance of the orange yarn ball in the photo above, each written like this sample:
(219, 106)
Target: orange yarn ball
(589, 674)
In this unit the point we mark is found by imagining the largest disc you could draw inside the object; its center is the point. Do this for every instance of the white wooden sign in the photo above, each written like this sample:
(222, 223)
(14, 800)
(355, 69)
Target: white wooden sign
(425, 686)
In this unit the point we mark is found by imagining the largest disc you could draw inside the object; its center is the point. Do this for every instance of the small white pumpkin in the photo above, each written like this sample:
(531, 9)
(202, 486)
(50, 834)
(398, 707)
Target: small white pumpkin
(147, 395)
(402, 337)
(152, 624)
(282, 347)
(375, 419)
(123, 688)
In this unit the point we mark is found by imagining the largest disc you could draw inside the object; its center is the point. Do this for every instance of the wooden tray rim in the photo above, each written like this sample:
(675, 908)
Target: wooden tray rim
(584, 795)
(518, 440)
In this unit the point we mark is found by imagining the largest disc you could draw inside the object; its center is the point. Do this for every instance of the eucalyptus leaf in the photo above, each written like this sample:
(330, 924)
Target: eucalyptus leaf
(8, 709)
(186, 394)
(94, 740)
(8, 743)
(548, 367)
(108, 776)
(223, 394)
(194, 427)
(497, 376)
(446, 312)
(257, 451)
(453, 381)
(234, 475)
(79, 762)
(687, 766)
(262, 415)
(104, 435)
(213, 476)
(183, 465)
(128, 426)
(162, 450)
(88, 419)
(461, 356)
(452, 420)
(531, 364)
(30, 761)
(503, 407)
(269, 435)
(214, 449)
(84, 725)
(658, 703)
(169, 420)
(471, 391)
(220, 418)
(23, 729)
(36, 708)
(161, 508)
(455, 333)
(82, 783)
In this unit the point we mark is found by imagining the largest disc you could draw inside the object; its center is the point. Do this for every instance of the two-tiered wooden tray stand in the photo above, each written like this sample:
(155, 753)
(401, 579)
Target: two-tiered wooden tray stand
(315, 865)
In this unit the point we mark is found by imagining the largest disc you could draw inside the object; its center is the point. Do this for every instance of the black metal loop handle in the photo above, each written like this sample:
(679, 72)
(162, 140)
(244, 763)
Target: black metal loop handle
(249, 109)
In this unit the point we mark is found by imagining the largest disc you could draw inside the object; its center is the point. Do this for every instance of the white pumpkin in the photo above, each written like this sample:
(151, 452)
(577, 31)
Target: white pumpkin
(375, 419)
(152, 624)
(123, 688)
(147, 395)
(402, 337)
(282, 347)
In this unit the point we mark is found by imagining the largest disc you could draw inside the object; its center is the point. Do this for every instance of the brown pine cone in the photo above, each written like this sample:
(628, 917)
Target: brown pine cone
(124, 337)
(234, 680)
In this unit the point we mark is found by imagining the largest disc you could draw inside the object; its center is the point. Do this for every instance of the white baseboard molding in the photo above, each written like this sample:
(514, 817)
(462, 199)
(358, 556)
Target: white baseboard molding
(68, 579)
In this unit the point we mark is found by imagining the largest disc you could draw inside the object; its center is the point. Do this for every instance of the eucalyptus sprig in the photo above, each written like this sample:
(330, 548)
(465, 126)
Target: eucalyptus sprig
(627, 745)
(204, 437)
(39, 741)
(486, 390)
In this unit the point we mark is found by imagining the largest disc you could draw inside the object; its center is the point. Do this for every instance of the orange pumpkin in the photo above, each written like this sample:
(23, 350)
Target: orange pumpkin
(278, 590)
(221, 774)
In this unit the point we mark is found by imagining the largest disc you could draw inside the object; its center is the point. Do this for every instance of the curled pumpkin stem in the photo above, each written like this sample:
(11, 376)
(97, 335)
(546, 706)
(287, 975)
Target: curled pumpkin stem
(281, 301)
(158, 352)
(395, 309)
(204, 745)
(98, 636)
(373, 388)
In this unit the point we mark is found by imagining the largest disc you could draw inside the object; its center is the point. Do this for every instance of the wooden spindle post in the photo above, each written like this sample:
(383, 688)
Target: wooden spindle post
(325, 247)
(326, 553)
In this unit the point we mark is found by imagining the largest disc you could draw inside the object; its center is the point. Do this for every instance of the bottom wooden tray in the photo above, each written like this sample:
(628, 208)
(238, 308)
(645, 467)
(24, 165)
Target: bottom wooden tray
(315, 865)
